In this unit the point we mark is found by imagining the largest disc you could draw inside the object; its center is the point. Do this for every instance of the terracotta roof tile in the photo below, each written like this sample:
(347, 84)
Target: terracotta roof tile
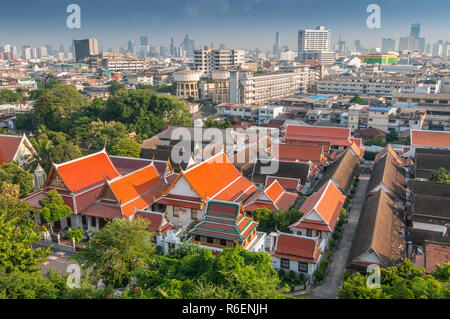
(9, 145)
(430, 138)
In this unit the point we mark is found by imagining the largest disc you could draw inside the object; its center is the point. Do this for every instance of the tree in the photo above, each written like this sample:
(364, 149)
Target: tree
(12, 173)
(392, 136)
(192, 272)
(405, 281)
(9, 96)
(116, 250)
(76, 233)
(377, 140)
(54, 107)
(440, 175)
(105, 134)
(53, 208)
(18, 232)
(280, 220)
(25, 122)
(356, 99)
(126, 147)
(115, 86)
(217, 124)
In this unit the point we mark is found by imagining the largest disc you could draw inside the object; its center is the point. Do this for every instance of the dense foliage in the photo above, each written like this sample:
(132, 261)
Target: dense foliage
(53, 208)
(193, 272)
(281, 220)
(405, 281)
(12, 173)
(116, 250)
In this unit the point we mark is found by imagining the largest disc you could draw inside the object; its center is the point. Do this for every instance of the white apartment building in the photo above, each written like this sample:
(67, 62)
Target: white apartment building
(209, 59)
(259, 89)
(351, 85)
(318, 40)
(118, 62)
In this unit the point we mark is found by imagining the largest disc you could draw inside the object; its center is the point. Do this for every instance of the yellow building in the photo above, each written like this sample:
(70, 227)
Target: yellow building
(379, 58)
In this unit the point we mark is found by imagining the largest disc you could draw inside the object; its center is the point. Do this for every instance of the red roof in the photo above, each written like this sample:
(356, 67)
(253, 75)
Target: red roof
(327, 202)
(298, 248)
(286, 183)
(430, 138)
(218, 178)
(336, 136)
(9, 145)
(300, 153)
(158, 222)
(87, 171)
(277, 195)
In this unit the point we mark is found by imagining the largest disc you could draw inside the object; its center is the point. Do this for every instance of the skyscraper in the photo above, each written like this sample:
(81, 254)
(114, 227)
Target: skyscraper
(387, 44)
(172, 47)
(415, 30)
(188, 46)
(276, 46)
(85, 48)
(144, 41)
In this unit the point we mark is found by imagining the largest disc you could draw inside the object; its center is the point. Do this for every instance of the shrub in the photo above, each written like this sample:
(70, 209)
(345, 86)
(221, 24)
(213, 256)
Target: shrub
(76, 233)
(324, 263)
(319, 274)
(350, 197)
(336, 235)
(292, 275)
(353, 192)
(302, 277)
(329, 254)
(281, 273)
(332, 243)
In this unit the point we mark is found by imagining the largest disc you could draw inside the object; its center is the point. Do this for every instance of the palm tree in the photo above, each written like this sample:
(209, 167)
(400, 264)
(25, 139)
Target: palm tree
(43, 149)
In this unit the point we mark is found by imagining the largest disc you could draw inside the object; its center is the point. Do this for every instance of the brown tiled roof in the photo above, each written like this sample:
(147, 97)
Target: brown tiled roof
(285, 169)
(425, 163)
(431, 209)
(435, 253)
(298, 248)
(392, 176)
(342, 171)
(389, 151)
(430, 188)
(430, 138)
(379, 229)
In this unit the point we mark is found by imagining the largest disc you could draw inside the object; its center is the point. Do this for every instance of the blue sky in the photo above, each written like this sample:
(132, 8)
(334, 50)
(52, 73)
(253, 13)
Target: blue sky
(236, 23)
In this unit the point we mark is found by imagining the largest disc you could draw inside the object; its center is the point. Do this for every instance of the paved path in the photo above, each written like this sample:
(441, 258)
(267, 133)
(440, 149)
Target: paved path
(335, 275)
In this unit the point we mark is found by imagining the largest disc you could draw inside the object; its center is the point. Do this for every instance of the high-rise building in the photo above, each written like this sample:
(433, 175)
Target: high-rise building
(358, 45)
(172, 47)
(318, 40)
(188, 46)
(144, 41)
(408, 44)
(387, 44)
(276, 46)
(85, 48)
(415, 30)
(314, 43)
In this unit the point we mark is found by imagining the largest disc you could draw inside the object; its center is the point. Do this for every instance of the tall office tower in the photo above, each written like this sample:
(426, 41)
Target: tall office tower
(188, 46)
(26, 53)
(85, 48)
(408, 44)
(358, 46)
(42, 52)
(222, 46)
(172, 47)
(144, 41)
(163, 52)
(428, 48)
(415, 30)
(62, 49)
(49, 48)
(438, 49)
(276, 46)
(130, 46)
(387, 44)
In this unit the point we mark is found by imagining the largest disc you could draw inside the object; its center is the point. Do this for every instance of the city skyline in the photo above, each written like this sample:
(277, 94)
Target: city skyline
(217, 22)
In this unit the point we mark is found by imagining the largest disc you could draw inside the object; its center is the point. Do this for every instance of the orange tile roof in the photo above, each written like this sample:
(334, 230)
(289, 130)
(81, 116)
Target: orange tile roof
(334, 135)
(274, 191)
(9, 145)
(278, 196)
(293, 247)
(218, 178)
(327, 202)
(300, 153)
(87, 171)
(357, 150)
(430, 138)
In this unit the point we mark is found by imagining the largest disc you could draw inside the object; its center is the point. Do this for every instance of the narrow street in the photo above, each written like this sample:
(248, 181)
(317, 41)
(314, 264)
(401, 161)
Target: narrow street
(335, 275)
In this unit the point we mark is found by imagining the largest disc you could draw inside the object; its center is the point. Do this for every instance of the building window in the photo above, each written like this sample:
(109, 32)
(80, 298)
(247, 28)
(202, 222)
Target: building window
(83, 220)
(209, 240)
(302, 267)
(93, 222)
(309, 233)
(285, 263)
(197, 237)
(194, 214)
(223, 242)
(176, 212)
(69, 222)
